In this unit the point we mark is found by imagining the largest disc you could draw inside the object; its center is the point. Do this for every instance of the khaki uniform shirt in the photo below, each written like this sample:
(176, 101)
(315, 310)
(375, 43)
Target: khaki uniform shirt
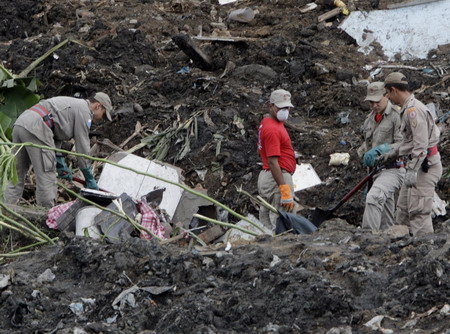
(419, 132)
(72, 118)
(385, 132)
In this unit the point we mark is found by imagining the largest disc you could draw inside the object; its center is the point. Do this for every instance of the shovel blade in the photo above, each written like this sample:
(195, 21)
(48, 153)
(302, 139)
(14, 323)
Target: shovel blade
(319, 216)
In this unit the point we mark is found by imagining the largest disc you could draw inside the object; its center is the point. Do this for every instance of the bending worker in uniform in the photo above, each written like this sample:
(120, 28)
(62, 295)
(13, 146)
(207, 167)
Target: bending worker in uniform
(49, 123)
(381, 127)
(275, 183)
(419, 145)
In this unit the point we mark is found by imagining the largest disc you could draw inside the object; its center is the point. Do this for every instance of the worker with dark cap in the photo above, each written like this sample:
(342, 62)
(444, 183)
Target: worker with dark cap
(49, 123)
(275, 182)
(381, 127)
(419, 147)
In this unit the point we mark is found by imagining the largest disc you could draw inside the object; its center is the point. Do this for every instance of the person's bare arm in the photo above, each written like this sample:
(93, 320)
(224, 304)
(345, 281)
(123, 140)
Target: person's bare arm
(276, 170)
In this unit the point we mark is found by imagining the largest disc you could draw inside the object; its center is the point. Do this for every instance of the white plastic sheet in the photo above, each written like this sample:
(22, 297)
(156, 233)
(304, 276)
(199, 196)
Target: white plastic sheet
(409, 31)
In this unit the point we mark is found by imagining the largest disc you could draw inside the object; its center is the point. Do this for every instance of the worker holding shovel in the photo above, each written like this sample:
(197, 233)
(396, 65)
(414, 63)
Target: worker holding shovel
(381, 127)
(419, 146)
(275, 183)
(49, 123)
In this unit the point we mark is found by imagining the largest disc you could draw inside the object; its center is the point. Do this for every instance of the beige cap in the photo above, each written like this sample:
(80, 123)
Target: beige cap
(281, 98)
(395, 78)
(105, 101)
(375, 91)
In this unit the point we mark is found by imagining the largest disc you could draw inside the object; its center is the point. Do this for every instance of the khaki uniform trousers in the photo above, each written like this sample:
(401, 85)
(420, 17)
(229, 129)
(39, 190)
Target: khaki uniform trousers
(268, 189)
(380, 201)
(415, 205)
(44, 166)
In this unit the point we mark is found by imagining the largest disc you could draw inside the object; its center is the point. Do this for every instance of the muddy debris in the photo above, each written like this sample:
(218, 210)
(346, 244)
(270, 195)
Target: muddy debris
(210, 99)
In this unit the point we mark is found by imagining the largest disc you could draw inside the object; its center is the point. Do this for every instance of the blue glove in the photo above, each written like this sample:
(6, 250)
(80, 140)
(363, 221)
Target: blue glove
(370, 157)
(89, 178)
(64, 172)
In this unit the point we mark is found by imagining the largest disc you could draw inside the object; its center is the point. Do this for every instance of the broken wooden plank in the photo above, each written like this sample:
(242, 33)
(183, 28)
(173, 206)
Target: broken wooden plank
(328, 15)
(409, 3)
(224, 39)
(188, 46)
(212, 234)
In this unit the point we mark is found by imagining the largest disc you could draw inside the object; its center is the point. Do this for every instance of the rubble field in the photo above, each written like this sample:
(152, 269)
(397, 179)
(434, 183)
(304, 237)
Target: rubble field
(338, 280)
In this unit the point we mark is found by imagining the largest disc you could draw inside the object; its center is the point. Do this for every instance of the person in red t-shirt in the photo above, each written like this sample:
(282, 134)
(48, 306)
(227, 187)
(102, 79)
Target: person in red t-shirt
(275, 183)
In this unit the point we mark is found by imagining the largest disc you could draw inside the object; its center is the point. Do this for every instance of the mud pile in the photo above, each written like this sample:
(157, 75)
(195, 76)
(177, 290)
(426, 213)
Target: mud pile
(338, 278)
(332, 282)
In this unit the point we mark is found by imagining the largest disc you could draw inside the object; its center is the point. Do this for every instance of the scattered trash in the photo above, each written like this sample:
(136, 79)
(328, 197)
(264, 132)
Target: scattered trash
(112, 319)
(125, 297)
(340, 4)
(375, 324)
(343, 117)
(225, 2)
(36, 294)
(339, 159)
(228, 247)
(46, 277)
(184, 70)
(439, 206)
(243, 15)
(309, 7)
(275, 261)
(445, 310)
(4, 281)
(77, 308)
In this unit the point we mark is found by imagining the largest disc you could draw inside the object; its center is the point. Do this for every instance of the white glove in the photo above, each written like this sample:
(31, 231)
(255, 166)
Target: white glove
(410, 178)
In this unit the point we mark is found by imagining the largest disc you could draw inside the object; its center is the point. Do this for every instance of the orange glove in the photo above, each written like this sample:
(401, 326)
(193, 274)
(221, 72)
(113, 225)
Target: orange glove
(287, 201)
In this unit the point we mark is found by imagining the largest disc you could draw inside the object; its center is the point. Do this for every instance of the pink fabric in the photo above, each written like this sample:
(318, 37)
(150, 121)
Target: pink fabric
(150, 219)
(55, 212)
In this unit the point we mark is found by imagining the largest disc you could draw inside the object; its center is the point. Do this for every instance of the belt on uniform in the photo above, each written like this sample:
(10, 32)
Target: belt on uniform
(432, 151)
(46, 116)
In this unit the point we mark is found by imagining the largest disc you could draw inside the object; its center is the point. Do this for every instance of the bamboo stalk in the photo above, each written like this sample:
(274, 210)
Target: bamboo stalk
(31, 246)
(20, 229)
(26, 221)
(35, 63)
(225, 224)
(13, 254)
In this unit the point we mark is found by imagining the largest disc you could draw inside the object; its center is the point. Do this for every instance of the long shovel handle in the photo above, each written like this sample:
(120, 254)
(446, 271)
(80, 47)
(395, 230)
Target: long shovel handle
(83, 182)
(356, 188)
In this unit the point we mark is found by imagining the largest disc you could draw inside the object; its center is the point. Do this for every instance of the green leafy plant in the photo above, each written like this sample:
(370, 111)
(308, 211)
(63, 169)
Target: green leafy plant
(16, 95)
(18, 92)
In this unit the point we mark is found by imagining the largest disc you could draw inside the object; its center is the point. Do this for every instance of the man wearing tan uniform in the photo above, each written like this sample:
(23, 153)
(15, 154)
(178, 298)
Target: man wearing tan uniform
(49, 123)
(423, 165)
(382, 126)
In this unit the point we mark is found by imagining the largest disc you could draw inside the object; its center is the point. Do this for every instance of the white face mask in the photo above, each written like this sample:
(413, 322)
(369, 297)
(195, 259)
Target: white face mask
(282, 114)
